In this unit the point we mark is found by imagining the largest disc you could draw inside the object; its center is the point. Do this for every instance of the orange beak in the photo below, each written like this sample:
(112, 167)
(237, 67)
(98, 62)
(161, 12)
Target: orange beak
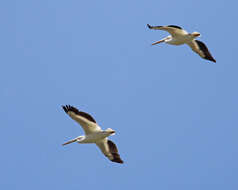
(71, 141)
(158, 42)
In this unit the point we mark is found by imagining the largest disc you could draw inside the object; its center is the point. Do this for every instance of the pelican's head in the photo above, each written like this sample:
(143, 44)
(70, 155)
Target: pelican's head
(74, 140)
(196, 34)
(110, 131)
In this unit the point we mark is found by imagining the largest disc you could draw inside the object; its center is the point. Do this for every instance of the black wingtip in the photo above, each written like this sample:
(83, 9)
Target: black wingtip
(149, 26)
(68, 108)
(206, 52)
(65, 108)
(118, 160)
(209, 57)
(114, 152)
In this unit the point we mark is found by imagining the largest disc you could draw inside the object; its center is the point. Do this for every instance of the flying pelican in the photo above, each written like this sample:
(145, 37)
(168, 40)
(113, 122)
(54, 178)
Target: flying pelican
(180, 36)
(93, 133)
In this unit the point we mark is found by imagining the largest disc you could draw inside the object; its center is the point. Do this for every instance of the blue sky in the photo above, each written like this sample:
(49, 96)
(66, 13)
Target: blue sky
(175, 114)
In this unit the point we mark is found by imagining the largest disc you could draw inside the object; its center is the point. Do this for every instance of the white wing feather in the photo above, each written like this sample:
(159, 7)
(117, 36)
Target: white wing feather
(87, 122)
(172, 30)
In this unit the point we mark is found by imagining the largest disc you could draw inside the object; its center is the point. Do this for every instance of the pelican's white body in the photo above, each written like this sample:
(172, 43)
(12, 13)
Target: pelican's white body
(179, 40)
(179, 37)
(93, 137)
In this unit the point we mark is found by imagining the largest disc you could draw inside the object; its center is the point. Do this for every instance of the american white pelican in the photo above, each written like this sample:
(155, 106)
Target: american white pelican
(180, 36)
(93, 133)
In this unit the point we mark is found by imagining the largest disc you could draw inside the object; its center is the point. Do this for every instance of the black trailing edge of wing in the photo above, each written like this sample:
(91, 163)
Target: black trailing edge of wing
(114, 152)
(68, 108)
(205, 50)
(174, 26)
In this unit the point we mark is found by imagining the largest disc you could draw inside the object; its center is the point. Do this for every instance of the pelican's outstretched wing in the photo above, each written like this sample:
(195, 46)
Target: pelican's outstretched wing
(87, 122)
(109, 149)
(201, 49)
(172, 29)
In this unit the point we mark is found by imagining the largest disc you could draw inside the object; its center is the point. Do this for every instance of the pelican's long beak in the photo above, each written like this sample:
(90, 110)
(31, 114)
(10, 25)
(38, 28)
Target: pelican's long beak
(158, 42)
(71, 141)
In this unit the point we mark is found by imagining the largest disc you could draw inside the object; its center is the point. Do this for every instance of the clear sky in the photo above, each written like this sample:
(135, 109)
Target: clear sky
(174, 113)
